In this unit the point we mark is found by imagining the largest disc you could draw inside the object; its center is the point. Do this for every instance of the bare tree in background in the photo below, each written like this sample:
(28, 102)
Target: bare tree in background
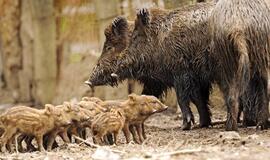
(11, 46)
(45, 68)
(28, 49)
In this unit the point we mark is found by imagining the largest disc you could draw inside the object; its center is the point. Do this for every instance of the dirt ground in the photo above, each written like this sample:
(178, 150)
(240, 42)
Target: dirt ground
(165, 140)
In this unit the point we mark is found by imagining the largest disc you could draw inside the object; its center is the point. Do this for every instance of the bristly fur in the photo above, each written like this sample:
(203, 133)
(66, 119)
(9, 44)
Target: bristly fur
(240, 30)
(173, 48)
(118, 34)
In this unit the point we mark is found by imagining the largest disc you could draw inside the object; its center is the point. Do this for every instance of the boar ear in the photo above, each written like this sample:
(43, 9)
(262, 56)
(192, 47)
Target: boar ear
(120, 113)
(68, 106)
(49, 108)
(85, 99)
(132, 97)
(143, 17)
(120, 26)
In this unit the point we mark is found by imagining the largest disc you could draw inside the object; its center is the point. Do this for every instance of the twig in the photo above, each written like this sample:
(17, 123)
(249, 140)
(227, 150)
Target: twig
(97, 146)
(216, 123)
(86, 142)
(185, 151)
(16, 143)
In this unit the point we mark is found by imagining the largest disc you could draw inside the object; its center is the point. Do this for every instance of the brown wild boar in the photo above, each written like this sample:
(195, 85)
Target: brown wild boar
(93, 109)
(137, 109)
(111, 122)
(108, 105)
(75, 114)
(171, 46)
(33, 122)
(240, 32)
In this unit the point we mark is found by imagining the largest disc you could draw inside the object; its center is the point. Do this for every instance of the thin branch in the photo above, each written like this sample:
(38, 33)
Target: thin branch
(96, 146)
(185, 151)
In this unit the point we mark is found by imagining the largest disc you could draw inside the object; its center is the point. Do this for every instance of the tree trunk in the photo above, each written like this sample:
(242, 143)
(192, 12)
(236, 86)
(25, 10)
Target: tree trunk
(45, 67)
(11, 51)
(27, 39)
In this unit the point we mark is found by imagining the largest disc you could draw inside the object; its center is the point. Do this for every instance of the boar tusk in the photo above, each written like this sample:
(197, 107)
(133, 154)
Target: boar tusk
(88, 83)
(114, 75)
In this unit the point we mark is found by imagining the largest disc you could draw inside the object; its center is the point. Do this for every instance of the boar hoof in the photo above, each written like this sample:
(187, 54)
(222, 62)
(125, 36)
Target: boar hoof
(187, 122)
(186, 126)
(205, 124)
(231, 125)
(262, 125)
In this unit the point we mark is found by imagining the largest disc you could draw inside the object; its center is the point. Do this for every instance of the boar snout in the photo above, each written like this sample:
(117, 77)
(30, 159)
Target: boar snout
(67, 123)
(114, 75)
(88, 83)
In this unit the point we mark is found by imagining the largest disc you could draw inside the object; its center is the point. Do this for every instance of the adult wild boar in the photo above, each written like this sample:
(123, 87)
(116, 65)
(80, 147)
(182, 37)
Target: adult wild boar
(240, 31)
(118, 35)
(172, 47)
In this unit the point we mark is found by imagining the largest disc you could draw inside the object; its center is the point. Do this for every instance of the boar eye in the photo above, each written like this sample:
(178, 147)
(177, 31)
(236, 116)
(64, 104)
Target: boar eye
(108, 48)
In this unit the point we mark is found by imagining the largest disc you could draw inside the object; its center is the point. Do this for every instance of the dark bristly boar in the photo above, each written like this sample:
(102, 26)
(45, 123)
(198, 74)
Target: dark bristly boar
(172, 47)
(118, 35)
(32, 122)
(117, 38)
(240, 32)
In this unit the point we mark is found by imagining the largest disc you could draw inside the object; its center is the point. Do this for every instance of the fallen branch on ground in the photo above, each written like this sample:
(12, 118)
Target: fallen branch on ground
(96, 146)
(214, 123)
(185, 151)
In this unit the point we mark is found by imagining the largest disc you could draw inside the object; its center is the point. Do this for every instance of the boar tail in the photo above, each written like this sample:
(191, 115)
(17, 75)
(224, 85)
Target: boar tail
(243, 71)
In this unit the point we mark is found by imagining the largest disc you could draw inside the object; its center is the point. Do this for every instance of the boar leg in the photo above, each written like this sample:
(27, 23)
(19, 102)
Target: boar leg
(254, 103)
(262, 106)
(64, 136)
(143, 131)
(7, 135)
(51, 140)
(97, 139)
(184, 88)
(20, 140)
(201, 101)
(184, 101)
(139, 131)
(29, 146)
(133, 132)
(109, 138)
(39, 139)
(231, 96)
(10, 144)
(74, 131)
(28, 141)
(82, 132)
(115, 137)
(126, 132)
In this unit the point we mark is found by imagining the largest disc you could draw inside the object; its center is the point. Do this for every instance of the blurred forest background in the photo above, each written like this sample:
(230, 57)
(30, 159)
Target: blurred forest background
(49, 47)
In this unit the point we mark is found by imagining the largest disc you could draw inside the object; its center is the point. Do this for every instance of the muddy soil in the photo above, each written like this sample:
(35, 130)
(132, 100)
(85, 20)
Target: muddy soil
(166, 140)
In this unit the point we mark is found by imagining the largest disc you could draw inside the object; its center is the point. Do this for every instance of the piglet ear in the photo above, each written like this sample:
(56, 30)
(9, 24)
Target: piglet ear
(120, 26)
(143, 17)
(132, 97)
(68, 106)
(85, 99)
(49, 108)
(120, 113)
